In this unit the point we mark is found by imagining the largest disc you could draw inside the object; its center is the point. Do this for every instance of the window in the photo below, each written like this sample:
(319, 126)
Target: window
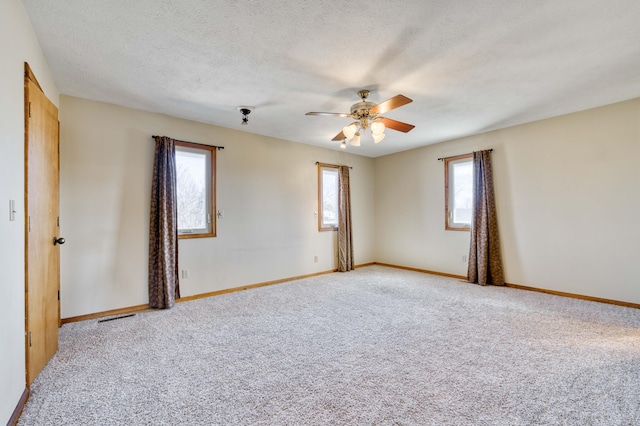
(458, 192)
(327, 197)
(196, 171)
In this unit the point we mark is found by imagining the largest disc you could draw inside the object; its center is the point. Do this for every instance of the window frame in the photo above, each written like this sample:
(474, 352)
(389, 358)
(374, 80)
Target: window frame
(449, 225)
(321, 223)
(212, 181)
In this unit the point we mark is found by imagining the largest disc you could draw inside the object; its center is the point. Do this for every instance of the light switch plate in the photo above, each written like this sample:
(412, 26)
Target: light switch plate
(12, 210)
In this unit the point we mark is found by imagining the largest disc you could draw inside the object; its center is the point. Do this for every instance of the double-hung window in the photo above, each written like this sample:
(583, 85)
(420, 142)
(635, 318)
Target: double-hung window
(327, 197)
(196, 185)
(458, 188)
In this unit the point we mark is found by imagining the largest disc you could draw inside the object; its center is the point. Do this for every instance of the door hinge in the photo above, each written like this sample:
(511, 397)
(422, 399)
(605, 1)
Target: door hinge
(58, 294)
(29, 339)
(58, 221)
(29, 223)
(29, 109)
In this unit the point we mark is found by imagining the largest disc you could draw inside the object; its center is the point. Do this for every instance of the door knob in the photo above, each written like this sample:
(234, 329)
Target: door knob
(57, 240)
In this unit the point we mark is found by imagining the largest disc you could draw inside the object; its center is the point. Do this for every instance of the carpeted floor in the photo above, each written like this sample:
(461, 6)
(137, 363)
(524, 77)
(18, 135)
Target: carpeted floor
(375, 346)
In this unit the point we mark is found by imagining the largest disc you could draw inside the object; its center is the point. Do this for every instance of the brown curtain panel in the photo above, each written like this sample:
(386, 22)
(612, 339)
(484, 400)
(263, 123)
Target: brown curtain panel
(345, 239)
(164, 287)
(485, 260)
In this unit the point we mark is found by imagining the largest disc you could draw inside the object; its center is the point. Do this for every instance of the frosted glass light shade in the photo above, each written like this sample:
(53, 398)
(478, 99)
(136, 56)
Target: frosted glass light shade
(343, 145)
(349, 131)
(378, 138)
(355, 141)
(377, 128)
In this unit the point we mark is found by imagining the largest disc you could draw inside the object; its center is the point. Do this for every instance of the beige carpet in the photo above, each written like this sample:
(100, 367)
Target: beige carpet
(375, 346)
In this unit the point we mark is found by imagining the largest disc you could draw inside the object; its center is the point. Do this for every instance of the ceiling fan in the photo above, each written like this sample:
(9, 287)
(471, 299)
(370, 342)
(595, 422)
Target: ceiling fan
(368, 115)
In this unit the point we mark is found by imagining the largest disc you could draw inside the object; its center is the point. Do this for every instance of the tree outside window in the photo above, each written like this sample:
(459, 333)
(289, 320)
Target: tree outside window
(458, 192)
(195, 169)
(327, 197)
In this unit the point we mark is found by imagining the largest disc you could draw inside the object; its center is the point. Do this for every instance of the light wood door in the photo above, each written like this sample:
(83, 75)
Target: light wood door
(41, 223)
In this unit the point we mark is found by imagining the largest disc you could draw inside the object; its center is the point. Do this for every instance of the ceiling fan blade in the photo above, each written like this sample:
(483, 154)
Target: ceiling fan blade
(340, 136)
(396, 125)
(393, 103)
(339, 114)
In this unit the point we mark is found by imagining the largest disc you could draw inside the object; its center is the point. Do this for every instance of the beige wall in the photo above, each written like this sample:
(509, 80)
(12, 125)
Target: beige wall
(267, 188)
(568, 198)
(18, 44)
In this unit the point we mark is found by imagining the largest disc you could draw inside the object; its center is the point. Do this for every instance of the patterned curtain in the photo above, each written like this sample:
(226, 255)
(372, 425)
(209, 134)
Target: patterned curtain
(485, 260)
(164, 286)
(345, 239)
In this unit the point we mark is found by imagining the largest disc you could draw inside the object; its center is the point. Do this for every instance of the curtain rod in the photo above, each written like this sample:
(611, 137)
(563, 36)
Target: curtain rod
(459, 155)
(334, 165)
(195, 143)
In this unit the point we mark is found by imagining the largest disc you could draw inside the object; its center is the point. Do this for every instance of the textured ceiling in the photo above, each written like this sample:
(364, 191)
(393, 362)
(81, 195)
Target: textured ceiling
(470, 66)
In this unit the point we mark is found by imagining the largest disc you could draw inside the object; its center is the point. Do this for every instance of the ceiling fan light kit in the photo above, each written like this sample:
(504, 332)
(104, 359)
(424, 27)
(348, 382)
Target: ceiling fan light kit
(378, 138)
(377, 128)
(355, 140)
(368, 115)
(350, 130)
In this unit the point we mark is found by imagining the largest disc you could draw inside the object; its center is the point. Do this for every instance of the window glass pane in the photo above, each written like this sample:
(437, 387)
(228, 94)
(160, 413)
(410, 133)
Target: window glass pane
(462, 192)
(191, 169)
(329, 197)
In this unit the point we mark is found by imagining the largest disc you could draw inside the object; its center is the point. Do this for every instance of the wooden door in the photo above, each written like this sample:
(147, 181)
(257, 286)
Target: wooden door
(42, 226)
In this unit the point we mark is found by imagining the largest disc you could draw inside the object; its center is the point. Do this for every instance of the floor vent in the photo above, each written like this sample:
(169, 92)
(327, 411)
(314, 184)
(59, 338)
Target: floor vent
(116, 318)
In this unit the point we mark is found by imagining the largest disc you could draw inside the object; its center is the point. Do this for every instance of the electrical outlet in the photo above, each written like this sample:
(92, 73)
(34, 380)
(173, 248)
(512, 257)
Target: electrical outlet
(315, 259)
(464, 258)
(185, 273)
